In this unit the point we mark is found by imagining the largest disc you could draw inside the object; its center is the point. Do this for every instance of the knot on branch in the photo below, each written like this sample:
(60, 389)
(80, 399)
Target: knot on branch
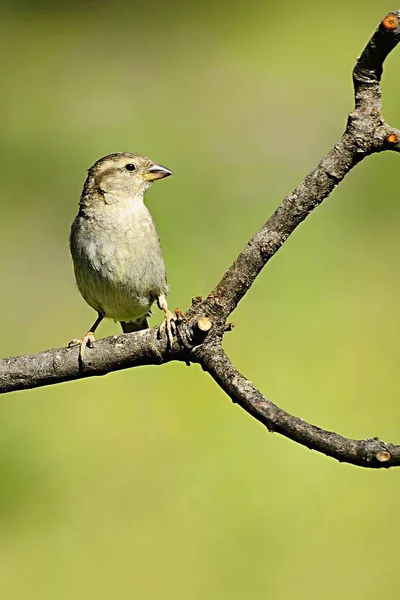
(377, 453)
(383, 456)
(270, 247)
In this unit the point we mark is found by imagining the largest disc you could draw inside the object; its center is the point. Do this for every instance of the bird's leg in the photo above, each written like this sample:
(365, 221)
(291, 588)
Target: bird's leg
(88, 339)
(169, 319)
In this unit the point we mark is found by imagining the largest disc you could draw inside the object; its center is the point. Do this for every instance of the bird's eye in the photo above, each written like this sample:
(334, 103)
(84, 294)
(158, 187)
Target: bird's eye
(130, 167)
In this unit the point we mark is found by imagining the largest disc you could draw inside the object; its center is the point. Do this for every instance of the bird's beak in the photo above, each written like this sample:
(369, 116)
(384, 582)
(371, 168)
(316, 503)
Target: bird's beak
(157, 172)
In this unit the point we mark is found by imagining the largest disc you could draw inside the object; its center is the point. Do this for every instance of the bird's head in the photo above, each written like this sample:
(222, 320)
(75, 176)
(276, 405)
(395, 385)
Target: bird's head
(124, 173)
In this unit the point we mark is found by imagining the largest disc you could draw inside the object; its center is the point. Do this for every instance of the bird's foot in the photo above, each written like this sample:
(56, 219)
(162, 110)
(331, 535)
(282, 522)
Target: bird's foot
(169, 325)
(87, 340)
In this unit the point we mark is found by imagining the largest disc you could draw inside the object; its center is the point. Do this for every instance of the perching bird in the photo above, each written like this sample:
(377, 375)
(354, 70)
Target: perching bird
(115, 247)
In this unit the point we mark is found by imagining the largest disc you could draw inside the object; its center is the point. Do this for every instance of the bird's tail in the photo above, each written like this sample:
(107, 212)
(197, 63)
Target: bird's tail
(129, 327)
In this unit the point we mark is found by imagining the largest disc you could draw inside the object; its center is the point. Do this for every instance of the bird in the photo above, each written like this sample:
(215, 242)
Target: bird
(116, 253)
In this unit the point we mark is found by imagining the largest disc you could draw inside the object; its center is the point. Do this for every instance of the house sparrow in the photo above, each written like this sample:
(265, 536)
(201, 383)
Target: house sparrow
(119, 268)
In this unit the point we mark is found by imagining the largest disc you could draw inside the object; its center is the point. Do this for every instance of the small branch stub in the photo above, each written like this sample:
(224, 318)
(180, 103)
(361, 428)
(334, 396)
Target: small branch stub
(392, 138)
(390, 22)
(383, 456)
(179, 315)
(200, 330)
(204, 324)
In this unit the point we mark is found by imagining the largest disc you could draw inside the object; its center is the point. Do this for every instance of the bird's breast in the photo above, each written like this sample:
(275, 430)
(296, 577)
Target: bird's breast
(117, 260)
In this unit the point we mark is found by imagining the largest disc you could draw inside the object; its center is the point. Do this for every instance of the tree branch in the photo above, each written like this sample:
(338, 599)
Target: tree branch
(365, 134)
(371, 453)
(201, 329)
(62, 364)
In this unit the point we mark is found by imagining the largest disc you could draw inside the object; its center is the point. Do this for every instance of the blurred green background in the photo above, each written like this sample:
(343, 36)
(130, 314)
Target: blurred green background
(149, 483)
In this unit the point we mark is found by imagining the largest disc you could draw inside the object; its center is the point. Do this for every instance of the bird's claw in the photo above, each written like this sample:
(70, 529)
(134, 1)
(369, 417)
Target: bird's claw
(169, 325)
(87, 340)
